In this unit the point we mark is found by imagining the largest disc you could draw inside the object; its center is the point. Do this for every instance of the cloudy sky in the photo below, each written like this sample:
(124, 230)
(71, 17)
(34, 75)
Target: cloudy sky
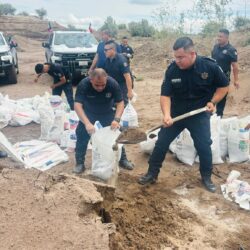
(81, 12)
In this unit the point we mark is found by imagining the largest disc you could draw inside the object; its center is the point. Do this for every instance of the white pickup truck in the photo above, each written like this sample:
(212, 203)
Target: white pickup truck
(74, 50)
(8, 60)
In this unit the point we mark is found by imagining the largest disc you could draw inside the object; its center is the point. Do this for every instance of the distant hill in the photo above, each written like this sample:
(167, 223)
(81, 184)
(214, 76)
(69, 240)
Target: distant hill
(28, 26)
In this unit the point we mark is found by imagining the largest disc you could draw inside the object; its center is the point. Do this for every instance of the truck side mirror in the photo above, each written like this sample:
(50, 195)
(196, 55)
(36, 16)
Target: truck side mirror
(45, 45)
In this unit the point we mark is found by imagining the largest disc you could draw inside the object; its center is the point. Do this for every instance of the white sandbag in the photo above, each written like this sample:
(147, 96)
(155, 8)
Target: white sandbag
(185, 150)
(6, 146)
(215, 136)
(47, 120)
(238, 143)
(73, 123)
(40, 155)
(57, 103)
(57, 129)
(224, 129)
(236, 190)
(21, 118)
(104, 159)
(173, 145)
(64, 139)
(5, 116)
(129, 117)
(148, 145)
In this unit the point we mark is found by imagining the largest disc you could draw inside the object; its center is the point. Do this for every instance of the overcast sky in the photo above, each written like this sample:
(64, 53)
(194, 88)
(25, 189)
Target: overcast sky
(81, 12)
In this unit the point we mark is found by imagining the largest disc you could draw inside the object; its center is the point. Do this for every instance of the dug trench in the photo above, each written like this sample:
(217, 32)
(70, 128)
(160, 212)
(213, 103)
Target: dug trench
(156, 217)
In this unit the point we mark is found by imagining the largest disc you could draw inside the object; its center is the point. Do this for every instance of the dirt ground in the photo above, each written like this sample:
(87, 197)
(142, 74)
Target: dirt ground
(57, 210)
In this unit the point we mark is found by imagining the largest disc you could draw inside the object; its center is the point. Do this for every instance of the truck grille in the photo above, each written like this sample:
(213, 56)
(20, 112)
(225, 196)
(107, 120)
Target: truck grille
(71, 61)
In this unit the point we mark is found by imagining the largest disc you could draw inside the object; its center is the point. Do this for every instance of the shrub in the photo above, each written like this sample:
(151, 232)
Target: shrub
(142, 29)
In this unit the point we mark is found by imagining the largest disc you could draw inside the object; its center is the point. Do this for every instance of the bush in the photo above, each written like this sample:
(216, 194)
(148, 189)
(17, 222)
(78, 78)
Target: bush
(41, 13)
(241, 22)
(110, 25)
(142, 29)
(122, 26)
(211, 28)
(7, 9)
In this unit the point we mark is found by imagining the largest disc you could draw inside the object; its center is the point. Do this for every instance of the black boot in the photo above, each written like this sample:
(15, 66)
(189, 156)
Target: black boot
(124, 162)
(79, 168)
(3, 154)
(147, 179)
(206, 181)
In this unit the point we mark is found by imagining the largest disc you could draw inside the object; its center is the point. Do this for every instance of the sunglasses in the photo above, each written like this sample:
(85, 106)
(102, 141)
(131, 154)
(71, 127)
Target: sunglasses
(105, 50)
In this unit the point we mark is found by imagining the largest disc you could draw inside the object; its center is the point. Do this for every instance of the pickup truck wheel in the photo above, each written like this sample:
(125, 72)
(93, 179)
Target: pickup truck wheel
(11, 75)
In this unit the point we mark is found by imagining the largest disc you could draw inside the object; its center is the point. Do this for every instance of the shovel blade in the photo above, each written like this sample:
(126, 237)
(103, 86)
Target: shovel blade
(131, 136)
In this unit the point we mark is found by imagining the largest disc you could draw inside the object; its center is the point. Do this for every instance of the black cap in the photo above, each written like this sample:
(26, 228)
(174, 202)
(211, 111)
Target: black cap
(39, 68)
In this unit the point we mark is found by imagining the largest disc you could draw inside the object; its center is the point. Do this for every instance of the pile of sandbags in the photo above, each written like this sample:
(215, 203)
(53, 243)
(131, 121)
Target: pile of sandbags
(230, 141)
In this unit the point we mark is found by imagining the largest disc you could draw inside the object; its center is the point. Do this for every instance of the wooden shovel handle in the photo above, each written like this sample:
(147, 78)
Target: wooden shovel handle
(180, 117)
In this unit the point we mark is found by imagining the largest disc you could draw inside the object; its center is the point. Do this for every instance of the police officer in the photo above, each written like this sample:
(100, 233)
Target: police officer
(126, 50)
(100, 57)
(61, 80)
(117, 67)
(226, 56)
(191, 82)
(94, 100)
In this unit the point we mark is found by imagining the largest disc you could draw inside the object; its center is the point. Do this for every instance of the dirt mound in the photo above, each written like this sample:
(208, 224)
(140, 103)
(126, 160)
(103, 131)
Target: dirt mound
(30, 26)
(42, 211)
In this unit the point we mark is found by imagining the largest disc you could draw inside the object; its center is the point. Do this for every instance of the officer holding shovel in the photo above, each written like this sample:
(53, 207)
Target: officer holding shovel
(94, 100)
(191, 82)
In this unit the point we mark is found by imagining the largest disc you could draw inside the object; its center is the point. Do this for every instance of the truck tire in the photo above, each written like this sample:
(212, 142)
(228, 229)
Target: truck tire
(11, 75)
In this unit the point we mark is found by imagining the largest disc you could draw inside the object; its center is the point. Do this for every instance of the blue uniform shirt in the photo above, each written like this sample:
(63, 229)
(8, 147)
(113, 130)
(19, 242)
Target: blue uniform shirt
(98, 105)
(116, 67)
(101, 54)
(192, 88)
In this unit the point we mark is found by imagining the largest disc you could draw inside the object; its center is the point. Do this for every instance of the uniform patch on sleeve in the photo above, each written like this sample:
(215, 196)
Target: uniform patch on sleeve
(235, 52)
(125, 64)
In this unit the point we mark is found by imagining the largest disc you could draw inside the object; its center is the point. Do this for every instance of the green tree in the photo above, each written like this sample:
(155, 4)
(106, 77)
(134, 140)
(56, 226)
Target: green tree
(41, 13)
(7, 9)
(241, 22)
(211, 28)
(213, 10)
(181, 23)
(110, 25)
(122, 26)
(141, 28)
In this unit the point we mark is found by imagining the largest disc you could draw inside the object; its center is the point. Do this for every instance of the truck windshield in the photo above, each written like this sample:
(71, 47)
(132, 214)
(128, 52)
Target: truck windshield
(2, 42)
(73, 40)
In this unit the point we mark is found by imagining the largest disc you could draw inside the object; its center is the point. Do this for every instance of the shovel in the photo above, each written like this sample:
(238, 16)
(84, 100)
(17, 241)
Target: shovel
(137, 135)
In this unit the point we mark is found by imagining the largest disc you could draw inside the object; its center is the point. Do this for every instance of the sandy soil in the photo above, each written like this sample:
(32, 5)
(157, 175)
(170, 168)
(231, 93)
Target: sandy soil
(56, 210)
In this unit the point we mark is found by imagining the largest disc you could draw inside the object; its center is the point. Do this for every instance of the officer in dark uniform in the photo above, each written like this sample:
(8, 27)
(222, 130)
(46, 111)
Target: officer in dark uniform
(94, 101)
(116, 66)
(191, 82)
(126, 50)
(100, 57)
(61, 80)
(226, 56)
